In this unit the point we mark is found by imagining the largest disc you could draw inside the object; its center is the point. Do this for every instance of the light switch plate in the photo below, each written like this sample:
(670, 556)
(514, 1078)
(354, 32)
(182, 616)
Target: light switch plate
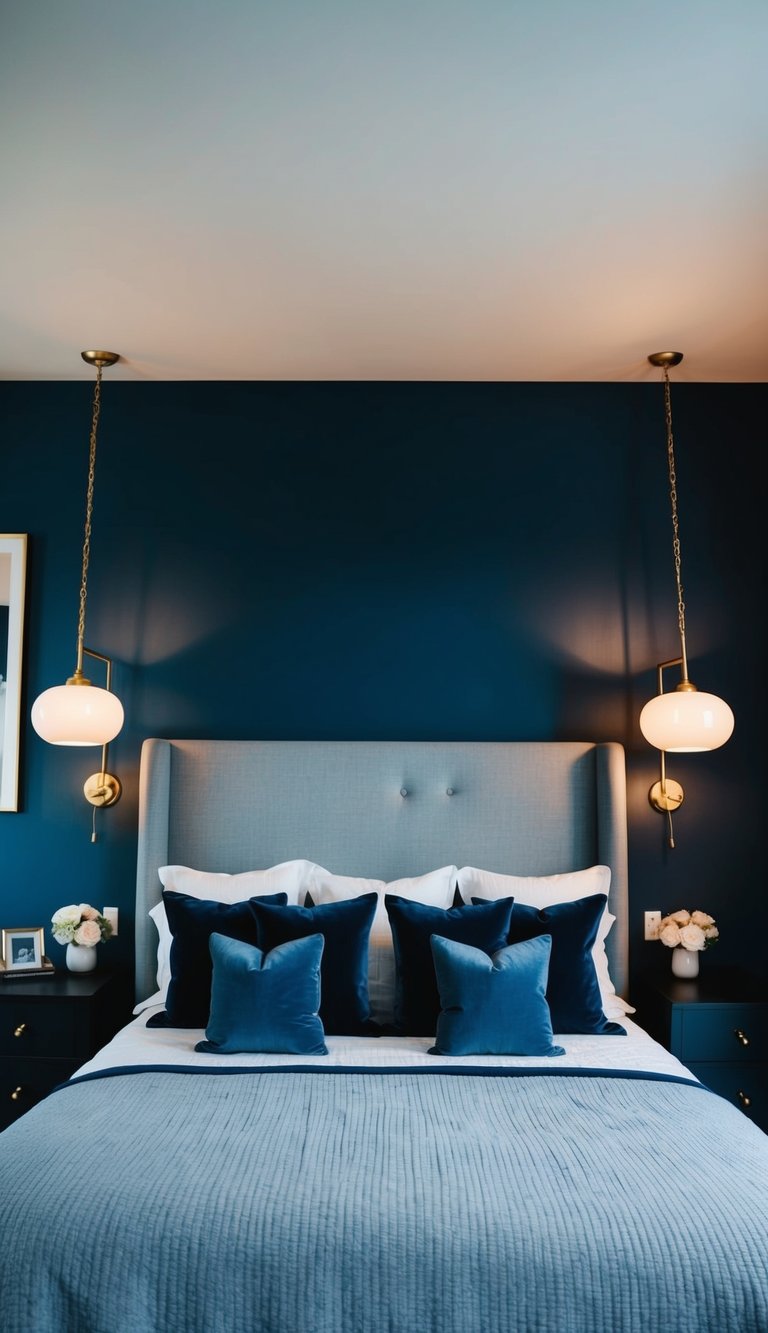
(652, 920)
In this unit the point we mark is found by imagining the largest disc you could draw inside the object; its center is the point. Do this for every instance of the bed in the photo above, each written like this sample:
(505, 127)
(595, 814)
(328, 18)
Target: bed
(395, 1181)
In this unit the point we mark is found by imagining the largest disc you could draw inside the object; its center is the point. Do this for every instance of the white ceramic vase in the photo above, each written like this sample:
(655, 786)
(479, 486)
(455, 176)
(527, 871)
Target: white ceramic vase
(685, 962)
(81, 957)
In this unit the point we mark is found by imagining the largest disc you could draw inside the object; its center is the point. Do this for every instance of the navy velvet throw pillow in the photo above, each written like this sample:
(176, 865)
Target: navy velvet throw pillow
(493, 1006)
(345, 926)
(265, 1001)
(191, 922)
(573, 990)
(417, 1001)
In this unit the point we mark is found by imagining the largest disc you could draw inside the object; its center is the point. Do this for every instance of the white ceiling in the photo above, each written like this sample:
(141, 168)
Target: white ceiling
(388, 190)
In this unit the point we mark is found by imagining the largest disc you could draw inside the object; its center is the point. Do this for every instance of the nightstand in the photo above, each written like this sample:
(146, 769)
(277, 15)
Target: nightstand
(49, 1026)
(717, 1025)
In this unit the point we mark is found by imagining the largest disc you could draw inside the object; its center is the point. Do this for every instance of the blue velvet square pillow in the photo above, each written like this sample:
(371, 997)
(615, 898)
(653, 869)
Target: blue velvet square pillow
(345, 927)
(493, 1006)
(265, 1001)
(573, 990)
(191, 922)
(417, 1001)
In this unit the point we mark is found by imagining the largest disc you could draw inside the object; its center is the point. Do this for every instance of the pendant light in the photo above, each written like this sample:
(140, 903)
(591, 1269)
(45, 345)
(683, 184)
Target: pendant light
(685, 720)
(79, 713)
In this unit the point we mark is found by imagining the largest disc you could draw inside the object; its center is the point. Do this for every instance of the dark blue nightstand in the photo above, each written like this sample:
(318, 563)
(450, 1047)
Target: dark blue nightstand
(49, 1027)
(717, 1025)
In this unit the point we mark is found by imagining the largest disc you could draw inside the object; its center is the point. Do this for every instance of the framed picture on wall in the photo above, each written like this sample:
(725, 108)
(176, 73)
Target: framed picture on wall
(23, 948)
(13, 563)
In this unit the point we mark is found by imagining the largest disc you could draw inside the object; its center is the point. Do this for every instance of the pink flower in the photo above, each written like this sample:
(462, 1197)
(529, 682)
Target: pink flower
(87, 912)
(88, 933)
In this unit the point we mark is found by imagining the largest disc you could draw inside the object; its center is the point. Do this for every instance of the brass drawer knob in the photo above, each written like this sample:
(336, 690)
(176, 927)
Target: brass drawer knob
(744, 1100)
(741, 1037)
(16, 1094)
(20, 1030)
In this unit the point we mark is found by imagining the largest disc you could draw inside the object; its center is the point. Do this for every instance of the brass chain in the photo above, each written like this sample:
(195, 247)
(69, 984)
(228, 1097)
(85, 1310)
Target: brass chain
(89, 509)
(673, 500)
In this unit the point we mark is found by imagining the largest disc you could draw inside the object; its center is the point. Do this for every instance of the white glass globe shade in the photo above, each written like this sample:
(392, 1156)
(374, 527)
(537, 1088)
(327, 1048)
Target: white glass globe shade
(77, 715)
(686, 720)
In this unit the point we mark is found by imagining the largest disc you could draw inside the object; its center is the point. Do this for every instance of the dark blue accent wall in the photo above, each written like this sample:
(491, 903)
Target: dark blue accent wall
(418, 561)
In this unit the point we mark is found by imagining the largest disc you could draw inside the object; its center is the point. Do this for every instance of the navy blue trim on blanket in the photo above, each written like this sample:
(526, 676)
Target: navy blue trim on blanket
(483, 1071)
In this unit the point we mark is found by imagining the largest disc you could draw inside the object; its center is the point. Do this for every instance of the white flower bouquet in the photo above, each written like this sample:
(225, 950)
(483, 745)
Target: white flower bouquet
(79, 923)
(691, 930)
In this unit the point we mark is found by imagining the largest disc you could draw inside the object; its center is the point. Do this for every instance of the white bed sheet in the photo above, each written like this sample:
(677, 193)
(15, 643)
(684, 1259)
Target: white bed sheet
(136, 1044)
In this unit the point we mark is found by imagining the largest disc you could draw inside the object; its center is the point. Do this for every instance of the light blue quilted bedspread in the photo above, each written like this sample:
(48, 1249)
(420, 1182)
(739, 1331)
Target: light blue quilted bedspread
(376, 1202)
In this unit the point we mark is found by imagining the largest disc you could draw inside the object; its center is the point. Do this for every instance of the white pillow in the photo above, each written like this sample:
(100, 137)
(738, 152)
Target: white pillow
(546, 891)
(290, 877)
(436, 889)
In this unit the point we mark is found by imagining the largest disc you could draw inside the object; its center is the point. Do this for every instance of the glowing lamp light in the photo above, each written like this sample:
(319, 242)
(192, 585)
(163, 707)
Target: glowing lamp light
(77, 715)
(686, 721)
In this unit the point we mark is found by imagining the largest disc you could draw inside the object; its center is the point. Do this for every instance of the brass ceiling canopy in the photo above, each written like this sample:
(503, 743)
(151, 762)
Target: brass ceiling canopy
(656, 358)
(100, 358)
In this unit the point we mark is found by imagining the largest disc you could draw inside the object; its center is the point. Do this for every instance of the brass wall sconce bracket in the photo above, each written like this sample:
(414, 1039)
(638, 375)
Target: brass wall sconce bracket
(102, 789)
(666, 795)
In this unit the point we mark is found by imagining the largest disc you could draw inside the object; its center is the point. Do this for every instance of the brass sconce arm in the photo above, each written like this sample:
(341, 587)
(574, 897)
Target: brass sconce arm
(101, 789)
(667, 795)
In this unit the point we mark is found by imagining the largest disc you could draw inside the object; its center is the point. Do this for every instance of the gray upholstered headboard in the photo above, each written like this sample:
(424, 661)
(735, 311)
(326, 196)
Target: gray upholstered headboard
(381, 810)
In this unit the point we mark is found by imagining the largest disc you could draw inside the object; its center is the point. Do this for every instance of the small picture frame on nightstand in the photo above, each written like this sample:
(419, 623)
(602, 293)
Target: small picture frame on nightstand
(22, 949)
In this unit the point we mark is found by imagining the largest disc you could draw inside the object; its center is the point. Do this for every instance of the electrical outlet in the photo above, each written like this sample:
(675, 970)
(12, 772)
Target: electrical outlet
(110, 913)
(652, 920)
